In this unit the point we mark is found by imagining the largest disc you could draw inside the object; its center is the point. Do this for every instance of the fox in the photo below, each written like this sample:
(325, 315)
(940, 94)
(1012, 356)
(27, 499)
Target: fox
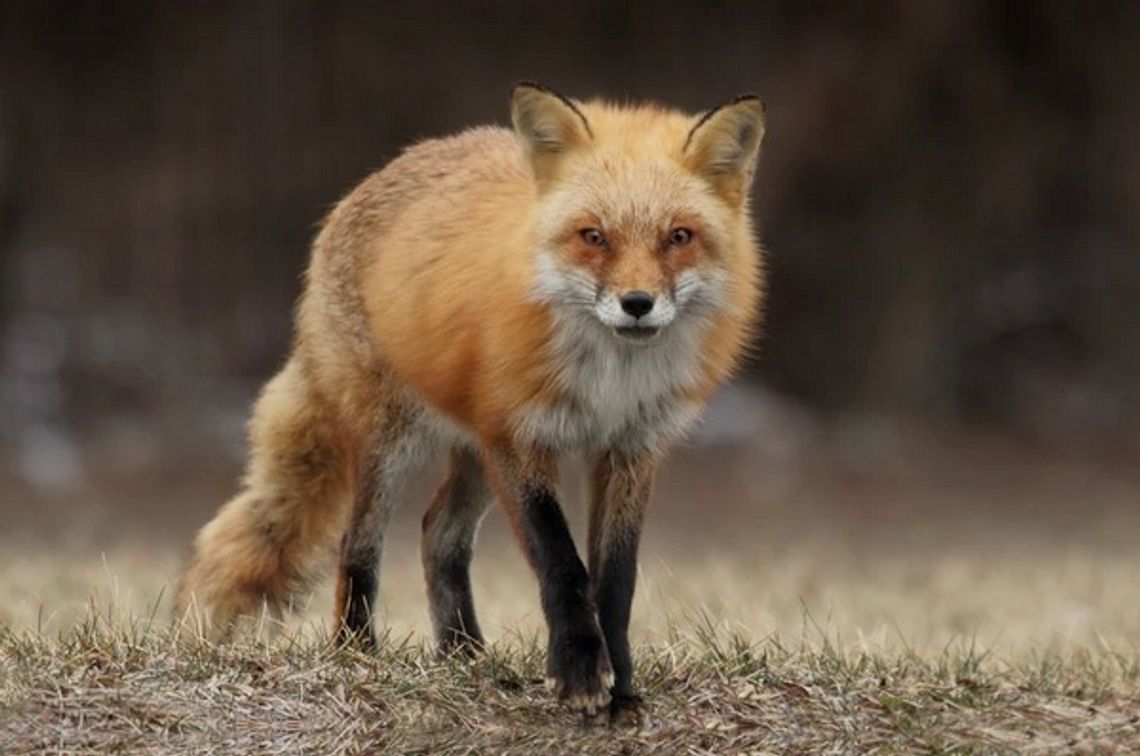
(580, 283)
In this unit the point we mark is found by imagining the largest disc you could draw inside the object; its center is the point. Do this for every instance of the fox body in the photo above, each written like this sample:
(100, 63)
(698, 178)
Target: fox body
(582, 283)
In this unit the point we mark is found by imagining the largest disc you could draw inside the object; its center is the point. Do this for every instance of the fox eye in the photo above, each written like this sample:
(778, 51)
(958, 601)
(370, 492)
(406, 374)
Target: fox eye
(679, 237)
(593, 237)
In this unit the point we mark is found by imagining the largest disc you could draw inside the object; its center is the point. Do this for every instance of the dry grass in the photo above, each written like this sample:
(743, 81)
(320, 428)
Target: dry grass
(830, 673)
(110, 686)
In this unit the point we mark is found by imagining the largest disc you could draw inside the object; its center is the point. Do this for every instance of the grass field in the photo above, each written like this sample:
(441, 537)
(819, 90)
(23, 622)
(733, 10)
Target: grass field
(123, 687)
(969, 602)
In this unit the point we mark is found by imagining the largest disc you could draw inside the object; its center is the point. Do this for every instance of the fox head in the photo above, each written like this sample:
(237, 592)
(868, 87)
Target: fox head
(641, 219)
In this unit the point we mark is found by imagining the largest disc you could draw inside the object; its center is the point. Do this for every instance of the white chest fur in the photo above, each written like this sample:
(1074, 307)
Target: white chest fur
(614, 393)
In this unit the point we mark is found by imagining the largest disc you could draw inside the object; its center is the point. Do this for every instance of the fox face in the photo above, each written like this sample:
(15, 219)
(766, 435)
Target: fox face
(634, 275)
(640, 212)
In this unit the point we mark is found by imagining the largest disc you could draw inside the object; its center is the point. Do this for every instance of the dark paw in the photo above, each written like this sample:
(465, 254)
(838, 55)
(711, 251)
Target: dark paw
(578, 669)
(628, 710)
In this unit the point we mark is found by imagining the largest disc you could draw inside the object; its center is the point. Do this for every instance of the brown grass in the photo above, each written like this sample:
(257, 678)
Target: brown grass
(110, 686)
(831, 673)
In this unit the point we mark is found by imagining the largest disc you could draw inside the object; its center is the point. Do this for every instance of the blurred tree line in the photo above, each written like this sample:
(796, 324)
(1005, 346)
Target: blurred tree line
(949, 191)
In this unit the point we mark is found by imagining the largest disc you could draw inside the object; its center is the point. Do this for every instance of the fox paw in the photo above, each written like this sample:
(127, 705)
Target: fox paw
(628, 710)
(578, 669)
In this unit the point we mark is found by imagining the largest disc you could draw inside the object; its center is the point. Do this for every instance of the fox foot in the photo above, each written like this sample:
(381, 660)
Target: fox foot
(578, 668)
(628, 710)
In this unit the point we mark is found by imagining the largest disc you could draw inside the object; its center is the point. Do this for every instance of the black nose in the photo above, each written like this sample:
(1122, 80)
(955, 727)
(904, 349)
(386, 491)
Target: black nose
(637, 303)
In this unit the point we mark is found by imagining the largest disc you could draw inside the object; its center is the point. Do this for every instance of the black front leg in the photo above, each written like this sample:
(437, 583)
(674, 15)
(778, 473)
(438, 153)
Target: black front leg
(617, 574)
(620, 494)
(578, 664)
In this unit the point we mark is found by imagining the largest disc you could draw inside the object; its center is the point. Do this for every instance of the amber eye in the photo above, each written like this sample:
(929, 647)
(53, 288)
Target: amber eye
(679, 237)
(593, 237)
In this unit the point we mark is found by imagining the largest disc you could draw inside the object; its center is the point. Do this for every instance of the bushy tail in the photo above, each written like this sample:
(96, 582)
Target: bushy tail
(266, 544)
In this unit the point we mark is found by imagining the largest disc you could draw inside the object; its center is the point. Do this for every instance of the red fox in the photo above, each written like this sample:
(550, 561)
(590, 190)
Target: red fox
(582, 283)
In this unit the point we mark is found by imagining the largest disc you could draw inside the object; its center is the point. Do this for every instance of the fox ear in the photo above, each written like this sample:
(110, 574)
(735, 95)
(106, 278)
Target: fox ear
(724, 144)
(549, 125)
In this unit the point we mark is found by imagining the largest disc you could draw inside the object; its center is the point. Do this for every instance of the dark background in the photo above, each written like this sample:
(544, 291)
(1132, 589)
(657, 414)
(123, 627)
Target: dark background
(949, 192)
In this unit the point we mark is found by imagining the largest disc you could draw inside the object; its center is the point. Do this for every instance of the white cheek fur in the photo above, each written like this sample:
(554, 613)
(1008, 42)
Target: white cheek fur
(559, 285)
(563, 287)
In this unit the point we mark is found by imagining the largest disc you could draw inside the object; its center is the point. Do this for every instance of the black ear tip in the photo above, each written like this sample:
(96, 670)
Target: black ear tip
(531, 86)
(750, 97)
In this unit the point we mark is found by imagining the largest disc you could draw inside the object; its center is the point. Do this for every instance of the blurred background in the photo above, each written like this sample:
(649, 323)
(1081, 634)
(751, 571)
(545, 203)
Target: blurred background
(949, 193)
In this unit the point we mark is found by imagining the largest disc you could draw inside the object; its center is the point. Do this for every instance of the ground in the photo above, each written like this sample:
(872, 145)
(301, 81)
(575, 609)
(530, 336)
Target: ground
(877, 596)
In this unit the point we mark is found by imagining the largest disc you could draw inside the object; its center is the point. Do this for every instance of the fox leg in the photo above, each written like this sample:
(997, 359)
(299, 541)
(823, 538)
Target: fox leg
(578, 665)
(261, 548)
(399, 449)
(449, 529)
(619, 495)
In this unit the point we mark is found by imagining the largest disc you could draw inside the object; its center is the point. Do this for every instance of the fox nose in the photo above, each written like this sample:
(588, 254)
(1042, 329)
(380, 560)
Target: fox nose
(637, 303)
